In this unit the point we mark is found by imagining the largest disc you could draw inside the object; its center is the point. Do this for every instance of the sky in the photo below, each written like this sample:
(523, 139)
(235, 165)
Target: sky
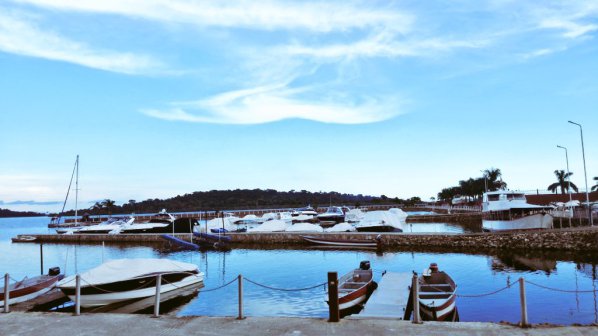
(398, 98)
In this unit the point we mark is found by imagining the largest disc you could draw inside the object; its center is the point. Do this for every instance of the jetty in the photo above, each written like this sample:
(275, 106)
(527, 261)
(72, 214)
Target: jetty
(25, 324)
(390, 299)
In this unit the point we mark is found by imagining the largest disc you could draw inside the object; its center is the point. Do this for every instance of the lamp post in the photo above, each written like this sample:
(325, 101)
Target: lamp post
(485, 180)
(568, 183)
(583, 153)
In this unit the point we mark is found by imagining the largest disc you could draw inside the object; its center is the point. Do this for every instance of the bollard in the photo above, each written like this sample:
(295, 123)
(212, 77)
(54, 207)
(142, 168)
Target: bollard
(41, 258)
(77, 295)
(333, 309)
(157, 301)
(240, 280)
(6, 293)
(524, 322)
(415, 297)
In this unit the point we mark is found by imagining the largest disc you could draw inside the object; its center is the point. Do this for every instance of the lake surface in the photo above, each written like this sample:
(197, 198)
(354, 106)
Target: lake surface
(291, 268)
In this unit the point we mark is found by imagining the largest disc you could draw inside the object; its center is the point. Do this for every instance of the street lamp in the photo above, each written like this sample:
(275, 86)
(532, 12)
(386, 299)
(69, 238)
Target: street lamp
(485, 180)
(568, 184)
(583, 153)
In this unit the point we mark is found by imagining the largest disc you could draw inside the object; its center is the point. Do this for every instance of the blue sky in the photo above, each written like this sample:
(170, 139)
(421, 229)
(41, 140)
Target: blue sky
(400, 98)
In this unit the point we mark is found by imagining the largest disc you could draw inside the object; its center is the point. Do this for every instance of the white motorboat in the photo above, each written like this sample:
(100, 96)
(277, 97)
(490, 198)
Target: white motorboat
(127, 279)
(341, 227)
(308, 211)
(380, 221)
(304, 227)
(111, 226)
(276, 225)
(333, 214)
(508, 210)
(162, 222)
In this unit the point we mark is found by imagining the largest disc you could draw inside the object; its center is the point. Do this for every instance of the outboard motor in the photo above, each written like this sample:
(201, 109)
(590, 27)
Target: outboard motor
(433, 268)
(54, 271)
(364, 265)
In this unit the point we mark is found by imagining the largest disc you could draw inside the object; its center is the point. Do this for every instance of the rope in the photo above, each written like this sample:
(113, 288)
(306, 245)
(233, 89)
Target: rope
(560, 290)
(219, 287)
(286, 289)
(485, 294)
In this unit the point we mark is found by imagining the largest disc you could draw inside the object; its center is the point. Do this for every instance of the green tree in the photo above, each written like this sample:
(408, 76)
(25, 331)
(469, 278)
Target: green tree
(108, 204)
(562, 182)
(494, 180)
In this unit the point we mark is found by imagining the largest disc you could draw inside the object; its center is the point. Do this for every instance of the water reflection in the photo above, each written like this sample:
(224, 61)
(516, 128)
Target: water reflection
(509, 262)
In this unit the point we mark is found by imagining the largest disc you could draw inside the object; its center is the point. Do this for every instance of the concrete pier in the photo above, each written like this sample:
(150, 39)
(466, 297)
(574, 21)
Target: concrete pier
(26, 324)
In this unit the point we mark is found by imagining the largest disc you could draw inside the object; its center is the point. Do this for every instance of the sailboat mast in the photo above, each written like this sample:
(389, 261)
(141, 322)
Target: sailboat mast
(76, 187)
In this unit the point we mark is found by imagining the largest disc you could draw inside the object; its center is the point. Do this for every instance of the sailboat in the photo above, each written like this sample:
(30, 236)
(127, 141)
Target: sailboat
(56, 220)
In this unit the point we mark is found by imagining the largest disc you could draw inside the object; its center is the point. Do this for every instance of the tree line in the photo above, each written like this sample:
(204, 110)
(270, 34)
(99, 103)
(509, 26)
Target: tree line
(473, 188)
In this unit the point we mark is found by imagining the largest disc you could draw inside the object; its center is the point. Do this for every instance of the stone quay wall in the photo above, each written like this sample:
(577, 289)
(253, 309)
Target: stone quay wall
(576, 239)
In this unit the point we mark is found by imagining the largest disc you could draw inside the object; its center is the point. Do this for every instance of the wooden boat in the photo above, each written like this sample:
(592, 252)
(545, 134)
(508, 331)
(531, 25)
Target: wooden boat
(355, 287)
(344, 242)
(437, 294)
(24, 239)
(30, 288)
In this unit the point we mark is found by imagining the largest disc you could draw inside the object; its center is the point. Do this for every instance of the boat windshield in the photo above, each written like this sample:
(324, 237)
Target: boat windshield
(516, 197)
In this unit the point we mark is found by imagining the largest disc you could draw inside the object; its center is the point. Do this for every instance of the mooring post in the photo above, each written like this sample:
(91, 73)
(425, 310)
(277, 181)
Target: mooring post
(157, 301)
(77, 295)
(240, 281)
(524, 322)
(41, 258)
(415, 298)
(333, 309)
(103, 246)
(6, 293)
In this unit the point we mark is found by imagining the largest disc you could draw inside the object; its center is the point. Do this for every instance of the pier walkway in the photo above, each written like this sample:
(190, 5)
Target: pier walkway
(390, 298)
(28, 324)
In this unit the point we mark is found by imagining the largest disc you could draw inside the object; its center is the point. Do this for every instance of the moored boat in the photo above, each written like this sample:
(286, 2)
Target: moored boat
(344, 242)
(333, 214)
(508, 211)
(30, 288)
(437, 295)
(355, 287)
(127, 279)
(112, 225)
(24, 239)
(380, 221)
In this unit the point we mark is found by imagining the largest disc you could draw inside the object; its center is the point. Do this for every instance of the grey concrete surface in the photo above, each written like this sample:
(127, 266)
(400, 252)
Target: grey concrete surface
(49, 324)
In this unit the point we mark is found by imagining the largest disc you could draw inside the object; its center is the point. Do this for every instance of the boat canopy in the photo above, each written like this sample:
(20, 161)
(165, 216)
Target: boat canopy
(126, 269)
(270, 226)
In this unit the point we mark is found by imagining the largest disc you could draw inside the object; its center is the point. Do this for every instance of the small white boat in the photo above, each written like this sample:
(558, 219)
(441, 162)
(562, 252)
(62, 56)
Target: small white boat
(304, 227)
(380, 221)
(276, 225)
(508, 210)
(308, 210)
(333, 214)
(127, 279)
(341, 227)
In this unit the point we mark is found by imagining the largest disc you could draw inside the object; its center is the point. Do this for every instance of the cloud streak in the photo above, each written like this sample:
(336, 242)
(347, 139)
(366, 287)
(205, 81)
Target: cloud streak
(274, 103)
(21, 37)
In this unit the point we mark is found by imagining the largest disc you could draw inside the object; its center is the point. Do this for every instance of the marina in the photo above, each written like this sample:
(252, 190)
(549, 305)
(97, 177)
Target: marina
(267, 264)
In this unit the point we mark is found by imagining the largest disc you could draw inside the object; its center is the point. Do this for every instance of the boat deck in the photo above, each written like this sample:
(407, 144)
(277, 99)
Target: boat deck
(389, 300)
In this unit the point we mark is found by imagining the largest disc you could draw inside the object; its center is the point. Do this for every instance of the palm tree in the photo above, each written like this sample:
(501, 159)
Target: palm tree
(108, 204)
(595, 188)
(562, 182)
(494, 178)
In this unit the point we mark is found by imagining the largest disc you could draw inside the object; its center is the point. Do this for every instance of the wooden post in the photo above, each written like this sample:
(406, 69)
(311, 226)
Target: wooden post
(157, 301)
(6, 293)
(333, 309)
(524, 322)
(415, 298)
(77, 295)
(240, 280)
(41, 258)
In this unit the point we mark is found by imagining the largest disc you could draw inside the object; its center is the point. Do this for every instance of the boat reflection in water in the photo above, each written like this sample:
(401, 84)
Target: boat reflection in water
(509, 262)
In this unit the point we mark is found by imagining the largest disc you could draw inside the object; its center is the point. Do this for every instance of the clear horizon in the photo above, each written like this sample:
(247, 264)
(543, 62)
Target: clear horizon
(163, 98)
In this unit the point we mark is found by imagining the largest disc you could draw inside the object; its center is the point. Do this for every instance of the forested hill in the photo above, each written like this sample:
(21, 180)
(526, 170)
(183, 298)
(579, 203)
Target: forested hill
(10, 213)
(243, 199)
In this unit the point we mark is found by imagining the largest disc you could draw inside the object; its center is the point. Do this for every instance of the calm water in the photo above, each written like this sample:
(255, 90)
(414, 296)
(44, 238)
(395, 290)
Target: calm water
(474, 274)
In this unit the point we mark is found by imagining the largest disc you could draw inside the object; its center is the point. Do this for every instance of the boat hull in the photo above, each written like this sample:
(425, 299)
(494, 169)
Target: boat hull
(378, 228)
(535, 221)
(30, 292)
(341, 242)
(437, 310)
(94, 296)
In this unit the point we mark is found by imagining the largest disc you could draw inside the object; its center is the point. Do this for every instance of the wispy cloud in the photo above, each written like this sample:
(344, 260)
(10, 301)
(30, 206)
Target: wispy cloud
(30, 203)
(19, 36)
(264, 15)
(275, 103)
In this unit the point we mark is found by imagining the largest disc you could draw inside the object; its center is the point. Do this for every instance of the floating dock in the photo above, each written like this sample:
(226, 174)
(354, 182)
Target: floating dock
(389, 300)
